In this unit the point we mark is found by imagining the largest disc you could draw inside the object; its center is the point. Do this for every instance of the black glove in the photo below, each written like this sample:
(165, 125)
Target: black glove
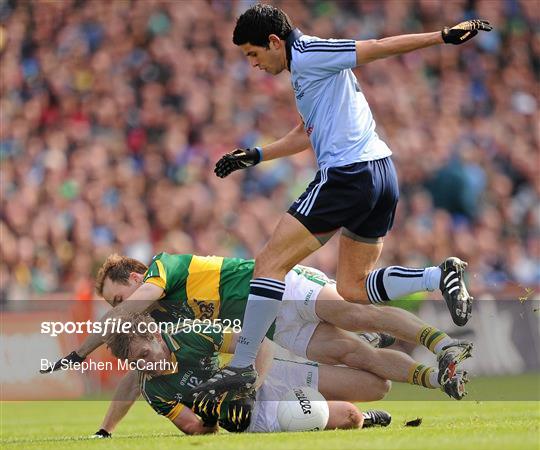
(237, 159)
(72, 357)
(237, 415)
(464, 31)
(101, 434)
(206, 407)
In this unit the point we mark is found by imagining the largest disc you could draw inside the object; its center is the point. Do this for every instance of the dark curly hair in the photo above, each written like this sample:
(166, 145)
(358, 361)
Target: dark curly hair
(257, 23)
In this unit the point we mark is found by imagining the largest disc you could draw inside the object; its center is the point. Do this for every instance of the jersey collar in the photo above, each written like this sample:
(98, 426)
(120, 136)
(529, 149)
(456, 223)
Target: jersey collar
(289, 41)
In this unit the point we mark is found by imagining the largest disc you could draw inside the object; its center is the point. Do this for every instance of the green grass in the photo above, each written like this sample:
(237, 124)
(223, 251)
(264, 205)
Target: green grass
(452, 425)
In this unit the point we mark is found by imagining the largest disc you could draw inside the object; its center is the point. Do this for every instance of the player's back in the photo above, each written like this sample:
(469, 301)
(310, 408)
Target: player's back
(201, 287)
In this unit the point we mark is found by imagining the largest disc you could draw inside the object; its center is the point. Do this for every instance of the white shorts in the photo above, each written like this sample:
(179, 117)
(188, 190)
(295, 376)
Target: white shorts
(296, 320)
(284, 375)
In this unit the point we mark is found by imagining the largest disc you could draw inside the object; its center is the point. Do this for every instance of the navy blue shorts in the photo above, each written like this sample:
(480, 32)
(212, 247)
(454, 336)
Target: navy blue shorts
(360, 197)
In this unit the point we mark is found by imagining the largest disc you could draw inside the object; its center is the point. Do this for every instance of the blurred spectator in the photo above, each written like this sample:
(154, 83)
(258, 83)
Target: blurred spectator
(113, 114)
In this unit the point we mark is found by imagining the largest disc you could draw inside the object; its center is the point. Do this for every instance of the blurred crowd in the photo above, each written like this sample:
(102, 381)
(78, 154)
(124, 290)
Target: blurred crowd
(113, 114)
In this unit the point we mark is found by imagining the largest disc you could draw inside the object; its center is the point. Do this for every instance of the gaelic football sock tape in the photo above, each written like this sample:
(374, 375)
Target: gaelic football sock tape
(433, 339)
(423, 376)
(265, 295)
(395, 282)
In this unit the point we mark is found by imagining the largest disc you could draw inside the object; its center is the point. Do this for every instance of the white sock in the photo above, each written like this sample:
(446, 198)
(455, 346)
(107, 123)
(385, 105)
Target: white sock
(395, 282)
(265, 295)
(434, 379)
(432, 278)
(447, 340)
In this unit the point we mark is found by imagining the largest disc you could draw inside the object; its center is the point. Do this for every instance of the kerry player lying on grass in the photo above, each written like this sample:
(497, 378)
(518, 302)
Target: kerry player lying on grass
(169, 393)
(372, 387)
(311, 326)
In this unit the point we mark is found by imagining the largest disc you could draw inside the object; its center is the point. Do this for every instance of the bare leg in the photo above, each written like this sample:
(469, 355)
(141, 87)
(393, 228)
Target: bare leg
(331, 308)
(290, 243)
(356, 260)
(344, 383)
(330, 345)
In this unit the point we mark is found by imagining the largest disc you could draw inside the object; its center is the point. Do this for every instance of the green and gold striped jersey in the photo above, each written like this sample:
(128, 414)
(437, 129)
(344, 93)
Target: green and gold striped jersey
(207, 287)
(197, 358)
(201, 287)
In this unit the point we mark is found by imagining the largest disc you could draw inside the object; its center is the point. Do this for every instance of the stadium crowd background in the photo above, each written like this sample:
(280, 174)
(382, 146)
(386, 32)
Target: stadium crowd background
(114, 113)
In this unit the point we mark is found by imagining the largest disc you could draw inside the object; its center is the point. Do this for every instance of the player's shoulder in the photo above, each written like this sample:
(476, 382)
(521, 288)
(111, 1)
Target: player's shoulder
(315, 44)
(165, 255)
(174, 259)
(312, 53)
(171, 268)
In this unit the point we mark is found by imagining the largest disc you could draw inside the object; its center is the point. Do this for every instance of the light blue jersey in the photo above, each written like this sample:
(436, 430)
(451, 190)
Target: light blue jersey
(336, 115)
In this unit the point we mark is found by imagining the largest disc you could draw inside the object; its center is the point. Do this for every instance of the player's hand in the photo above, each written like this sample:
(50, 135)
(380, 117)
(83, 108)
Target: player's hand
(73, 357)
(101, 434)
(237, 416)
(206, 406)
(235, 160)
(464, 31)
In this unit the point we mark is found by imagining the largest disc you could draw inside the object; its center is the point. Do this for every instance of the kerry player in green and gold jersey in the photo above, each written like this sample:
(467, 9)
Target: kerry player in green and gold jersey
(311, 326)
(195, 356)
(310, 323)
(169, 393)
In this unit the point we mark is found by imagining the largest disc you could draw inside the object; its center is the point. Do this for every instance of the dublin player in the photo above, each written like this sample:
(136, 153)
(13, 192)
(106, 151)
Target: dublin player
(355, 190)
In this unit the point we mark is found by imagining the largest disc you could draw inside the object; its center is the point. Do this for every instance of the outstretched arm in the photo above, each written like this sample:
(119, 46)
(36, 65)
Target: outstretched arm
(370, 50)
(367, 51)
(142, 299)
(125, 395)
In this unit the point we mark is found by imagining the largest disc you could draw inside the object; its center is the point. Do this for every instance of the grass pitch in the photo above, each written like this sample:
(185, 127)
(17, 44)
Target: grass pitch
(474, 424)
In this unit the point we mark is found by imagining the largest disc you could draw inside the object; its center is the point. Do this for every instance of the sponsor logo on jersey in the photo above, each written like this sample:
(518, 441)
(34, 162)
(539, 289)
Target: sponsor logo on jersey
(207, 309)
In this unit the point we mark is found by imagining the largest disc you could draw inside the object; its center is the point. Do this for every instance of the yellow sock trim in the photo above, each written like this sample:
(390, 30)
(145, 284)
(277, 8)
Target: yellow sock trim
(429, 337)
(419, 375)
(424, 334)
(414, 373)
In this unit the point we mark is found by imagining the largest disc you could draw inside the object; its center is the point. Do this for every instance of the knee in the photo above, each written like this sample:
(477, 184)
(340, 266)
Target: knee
(352, 291)
(267, 265)
(381, 388)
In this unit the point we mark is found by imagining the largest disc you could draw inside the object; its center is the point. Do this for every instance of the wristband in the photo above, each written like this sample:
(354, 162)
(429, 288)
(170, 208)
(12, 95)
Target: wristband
(260, 152)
